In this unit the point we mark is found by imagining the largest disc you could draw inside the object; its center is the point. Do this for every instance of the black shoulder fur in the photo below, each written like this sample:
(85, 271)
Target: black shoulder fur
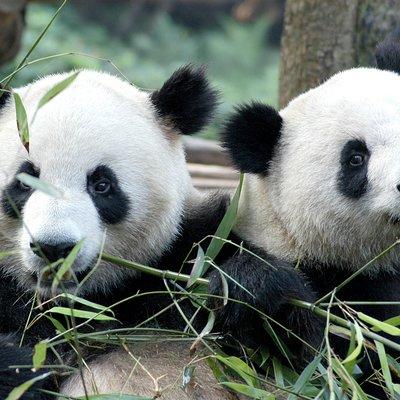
(11, 354)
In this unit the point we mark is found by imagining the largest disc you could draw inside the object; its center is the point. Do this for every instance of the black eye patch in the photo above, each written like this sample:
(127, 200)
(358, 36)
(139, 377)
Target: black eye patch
(352, 179)
(111, 204)
(16, 194)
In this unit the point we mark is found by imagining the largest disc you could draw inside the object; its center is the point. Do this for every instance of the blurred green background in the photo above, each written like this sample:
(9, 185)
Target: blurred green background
(240, 58)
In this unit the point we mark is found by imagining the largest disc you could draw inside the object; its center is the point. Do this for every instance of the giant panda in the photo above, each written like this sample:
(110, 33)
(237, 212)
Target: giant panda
(321, 198)
(114, 155)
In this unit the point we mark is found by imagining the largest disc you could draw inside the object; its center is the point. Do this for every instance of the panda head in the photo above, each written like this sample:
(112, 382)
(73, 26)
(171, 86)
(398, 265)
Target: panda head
(324, 173)
(114, 152)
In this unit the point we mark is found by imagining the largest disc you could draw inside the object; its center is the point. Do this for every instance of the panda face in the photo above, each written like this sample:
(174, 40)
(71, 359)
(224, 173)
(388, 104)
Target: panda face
(121, 175)
(330, 191)
(335, 179)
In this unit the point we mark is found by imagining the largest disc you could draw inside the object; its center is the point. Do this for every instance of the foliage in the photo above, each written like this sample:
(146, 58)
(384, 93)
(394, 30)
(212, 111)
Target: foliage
(237, 55)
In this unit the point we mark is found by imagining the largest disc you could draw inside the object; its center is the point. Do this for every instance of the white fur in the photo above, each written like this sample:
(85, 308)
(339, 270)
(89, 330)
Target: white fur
(297, 212)
(98, 119)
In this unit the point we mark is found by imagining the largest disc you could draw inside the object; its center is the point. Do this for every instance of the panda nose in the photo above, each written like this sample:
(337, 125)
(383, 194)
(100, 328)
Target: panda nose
(52, 252)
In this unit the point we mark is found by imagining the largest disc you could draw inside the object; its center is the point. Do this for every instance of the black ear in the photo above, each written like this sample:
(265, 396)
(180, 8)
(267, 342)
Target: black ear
(4, 96)
(387, 54)
(186, 100)
(251, 135)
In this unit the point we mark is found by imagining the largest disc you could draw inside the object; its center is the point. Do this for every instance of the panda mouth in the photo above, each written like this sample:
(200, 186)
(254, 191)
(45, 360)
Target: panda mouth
(68, 280)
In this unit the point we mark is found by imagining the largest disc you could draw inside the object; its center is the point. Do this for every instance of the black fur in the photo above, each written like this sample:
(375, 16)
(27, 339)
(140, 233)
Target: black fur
(353, 180)
(4, 98)
(272, 284)
(16, 195)
(113, 206)
(251, 135)
(387, 54)
(11, 354)
(186, 100)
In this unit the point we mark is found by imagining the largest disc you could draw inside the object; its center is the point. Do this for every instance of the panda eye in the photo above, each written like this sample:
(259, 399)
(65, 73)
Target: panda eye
(23, 187)
(102, 186)
(356, 160)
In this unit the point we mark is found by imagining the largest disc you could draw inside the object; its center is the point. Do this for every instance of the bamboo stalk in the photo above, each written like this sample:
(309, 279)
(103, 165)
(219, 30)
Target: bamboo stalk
(151, 271)
(202, 281)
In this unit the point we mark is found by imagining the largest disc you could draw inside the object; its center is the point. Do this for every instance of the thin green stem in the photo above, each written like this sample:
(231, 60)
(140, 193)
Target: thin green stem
(358, 272)
(342, 322)
(152, 271)
(37, 41)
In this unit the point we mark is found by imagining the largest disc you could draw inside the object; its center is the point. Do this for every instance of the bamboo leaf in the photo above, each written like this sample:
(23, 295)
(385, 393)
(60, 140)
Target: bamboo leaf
(216, 369)
(253, 393)
(278, 374)
(380, 348)
(39, 355)
(59, 327)
(81, 314)
(305, 377)
(226, 224)
(57, 89)
(38, 184)
(22, 119)
(5, 254)
(340, 370)
(198, 267)
(357, 350)
(277, 340)
(241, 368)
(115, 397)
(66, 265)
(395, 321)
(19, 391)
(379, 325)
(85, 302)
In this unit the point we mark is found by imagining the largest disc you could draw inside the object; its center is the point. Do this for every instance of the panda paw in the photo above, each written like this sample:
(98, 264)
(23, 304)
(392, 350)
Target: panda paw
(266, 287)
(10, 378)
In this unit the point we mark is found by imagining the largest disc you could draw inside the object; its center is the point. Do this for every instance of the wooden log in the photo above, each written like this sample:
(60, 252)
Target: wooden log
(202, 151)
(212, 172)
(209, 183)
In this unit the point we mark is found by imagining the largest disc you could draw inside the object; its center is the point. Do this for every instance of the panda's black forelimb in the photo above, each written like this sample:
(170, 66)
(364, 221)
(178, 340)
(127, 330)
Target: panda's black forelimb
(13, 355)
(272, 285)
